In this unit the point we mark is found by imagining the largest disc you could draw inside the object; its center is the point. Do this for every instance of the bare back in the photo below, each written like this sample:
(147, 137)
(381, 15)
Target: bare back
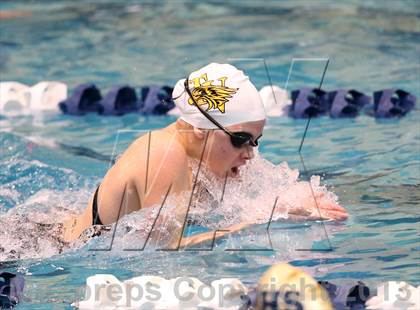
(141, 177)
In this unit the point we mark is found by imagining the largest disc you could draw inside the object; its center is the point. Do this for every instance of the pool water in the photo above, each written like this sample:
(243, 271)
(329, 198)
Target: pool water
(49, 160)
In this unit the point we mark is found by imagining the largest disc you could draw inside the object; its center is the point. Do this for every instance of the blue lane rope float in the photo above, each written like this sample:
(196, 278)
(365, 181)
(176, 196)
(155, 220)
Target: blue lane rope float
(84, 99)
(156, 100)
(347, 103)
(307, 102)
(121, 99)
(392, 103)
(11, 289)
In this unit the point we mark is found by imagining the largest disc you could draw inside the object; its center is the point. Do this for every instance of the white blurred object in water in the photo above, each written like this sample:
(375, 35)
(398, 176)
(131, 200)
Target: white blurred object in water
(15, 98)
(395, 295)
(46, 95)
(183, 293)
(276, 100)
(100, 293)
(145, 292)
(227, 295)
(105, 291)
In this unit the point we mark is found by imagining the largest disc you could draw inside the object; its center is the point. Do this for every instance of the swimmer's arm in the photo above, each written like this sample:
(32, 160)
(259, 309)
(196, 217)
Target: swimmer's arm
(75, 225)
(210, 236)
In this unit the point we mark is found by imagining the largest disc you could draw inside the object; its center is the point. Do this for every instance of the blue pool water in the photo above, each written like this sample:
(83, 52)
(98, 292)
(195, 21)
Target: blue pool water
(372, 165)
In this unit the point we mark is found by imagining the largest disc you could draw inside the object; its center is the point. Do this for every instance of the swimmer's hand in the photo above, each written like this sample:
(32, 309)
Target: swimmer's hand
(307, 207)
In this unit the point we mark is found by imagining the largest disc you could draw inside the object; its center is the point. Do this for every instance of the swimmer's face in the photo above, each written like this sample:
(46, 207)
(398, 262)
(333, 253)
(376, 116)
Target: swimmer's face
(222, 157)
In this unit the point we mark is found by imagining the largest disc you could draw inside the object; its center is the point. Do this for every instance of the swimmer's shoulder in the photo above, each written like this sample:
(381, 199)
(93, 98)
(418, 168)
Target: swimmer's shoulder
(158, 144)
(161, 156)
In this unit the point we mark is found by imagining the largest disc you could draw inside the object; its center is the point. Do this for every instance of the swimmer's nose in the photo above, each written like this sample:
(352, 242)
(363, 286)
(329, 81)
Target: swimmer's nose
(248, 153)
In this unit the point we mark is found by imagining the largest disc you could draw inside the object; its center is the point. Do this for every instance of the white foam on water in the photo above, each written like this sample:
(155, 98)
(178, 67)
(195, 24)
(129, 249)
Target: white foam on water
(33, 231)
(252, 196)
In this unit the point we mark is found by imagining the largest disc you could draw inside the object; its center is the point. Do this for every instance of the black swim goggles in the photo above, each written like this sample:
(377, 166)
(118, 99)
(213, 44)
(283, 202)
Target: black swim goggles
(238, 139)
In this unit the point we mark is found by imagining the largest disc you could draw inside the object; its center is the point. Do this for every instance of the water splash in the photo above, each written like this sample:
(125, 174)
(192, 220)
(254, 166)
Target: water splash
(252, 197)
(34, 231)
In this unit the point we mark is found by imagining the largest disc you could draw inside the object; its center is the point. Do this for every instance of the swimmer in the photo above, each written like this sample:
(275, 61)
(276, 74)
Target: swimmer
(222, 119)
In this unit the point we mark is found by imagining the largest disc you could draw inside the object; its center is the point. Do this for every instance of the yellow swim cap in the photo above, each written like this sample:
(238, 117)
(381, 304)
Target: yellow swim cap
(284, 287)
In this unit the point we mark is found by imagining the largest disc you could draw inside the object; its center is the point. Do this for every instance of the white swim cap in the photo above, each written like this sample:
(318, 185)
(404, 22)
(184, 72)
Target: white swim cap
(224, 92)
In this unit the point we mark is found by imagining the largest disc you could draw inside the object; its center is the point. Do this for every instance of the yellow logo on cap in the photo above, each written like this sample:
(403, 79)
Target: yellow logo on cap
(214, 96)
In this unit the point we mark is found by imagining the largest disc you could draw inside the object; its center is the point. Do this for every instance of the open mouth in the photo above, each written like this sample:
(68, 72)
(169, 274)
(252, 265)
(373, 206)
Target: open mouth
(235, 171)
